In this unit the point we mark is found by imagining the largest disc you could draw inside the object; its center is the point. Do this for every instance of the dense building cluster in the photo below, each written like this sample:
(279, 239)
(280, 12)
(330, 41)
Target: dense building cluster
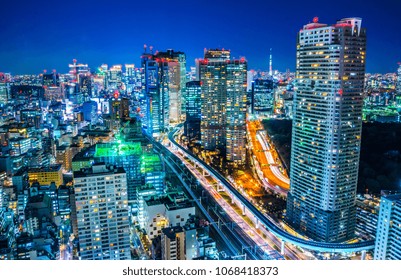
(80, 177)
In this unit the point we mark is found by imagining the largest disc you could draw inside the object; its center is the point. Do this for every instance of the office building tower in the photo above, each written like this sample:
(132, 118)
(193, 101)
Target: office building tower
(102, 213)
(129, 70)
(326, 131)
(119, 108)
(85, 86)
(388, 231)
(193, 110)
(163, 88)
(223, 109)
(262, 96)
(114, 75)
(51, 80)
(4, 93)
(78, 70)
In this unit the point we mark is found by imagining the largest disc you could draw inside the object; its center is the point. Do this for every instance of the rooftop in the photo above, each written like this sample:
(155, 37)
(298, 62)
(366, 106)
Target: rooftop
(118, 149)
(50, 168)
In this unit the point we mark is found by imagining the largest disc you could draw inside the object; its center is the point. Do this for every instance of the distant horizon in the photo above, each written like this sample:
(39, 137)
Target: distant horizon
(39, 36)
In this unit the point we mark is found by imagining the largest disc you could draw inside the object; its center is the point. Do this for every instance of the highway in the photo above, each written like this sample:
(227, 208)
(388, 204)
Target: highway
(264, 159)
(260, 135)
(269, 224)
(266, 245)
(234, 238)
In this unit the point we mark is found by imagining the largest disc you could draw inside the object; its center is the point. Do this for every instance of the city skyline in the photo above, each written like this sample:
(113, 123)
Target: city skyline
(116, 35)
(193, 152)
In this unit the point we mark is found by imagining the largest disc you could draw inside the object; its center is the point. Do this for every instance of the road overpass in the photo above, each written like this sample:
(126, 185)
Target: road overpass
(260, 219)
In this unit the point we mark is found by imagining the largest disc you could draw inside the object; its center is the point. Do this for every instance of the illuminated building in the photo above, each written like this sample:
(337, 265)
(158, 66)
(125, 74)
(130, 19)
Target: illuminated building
(78, 70)
(20, 145)
(126, 155)
(89, 110)
(51, 80)
(193, 110)
(262, 96)
(119, 108)
(326, 131)
(164, 84)
(46, 175)
(64, 157)
(7, 234)
(153, 172)
(4, 93)
(398, 81)
(114, 77)
(223, 110)
(102, 213)
(171, 209)
(173, 243)
(85, 86)
(388, 231)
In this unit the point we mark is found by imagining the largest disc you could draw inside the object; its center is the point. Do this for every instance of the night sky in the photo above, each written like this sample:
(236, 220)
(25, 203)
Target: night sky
(37, 35)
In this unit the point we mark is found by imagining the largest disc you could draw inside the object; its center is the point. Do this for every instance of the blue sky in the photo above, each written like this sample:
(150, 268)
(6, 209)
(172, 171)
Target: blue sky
(37, 35)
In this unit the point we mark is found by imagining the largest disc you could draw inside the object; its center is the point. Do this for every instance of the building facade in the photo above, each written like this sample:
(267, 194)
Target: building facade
(193, 110)
(326, 131)
(388, 243)
(223, 110)
(102, 213)
(164, 87)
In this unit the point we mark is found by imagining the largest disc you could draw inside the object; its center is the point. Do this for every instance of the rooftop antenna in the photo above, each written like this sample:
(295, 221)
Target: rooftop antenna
(144, 48)
(151, 49)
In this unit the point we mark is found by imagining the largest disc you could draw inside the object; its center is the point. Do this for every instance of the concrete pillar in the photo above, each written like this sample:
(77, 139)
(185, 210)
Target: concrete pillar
(282, 247)
(243, 210)
(257, 223)
(363, 255)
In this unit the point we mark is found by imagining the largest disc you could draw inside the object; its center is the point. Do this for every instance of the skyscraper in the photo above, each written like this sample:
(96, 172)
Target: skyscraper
(164, 84)
(326, 131)
(4, 93)
(223, 108)
(388, 232)
(193, 110)
(262, 96)
(102, 213)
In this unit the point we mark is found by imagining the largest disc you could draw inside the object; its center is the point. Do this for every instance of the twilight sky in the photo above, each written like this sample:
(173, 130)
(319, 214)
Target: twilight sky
(37, 35)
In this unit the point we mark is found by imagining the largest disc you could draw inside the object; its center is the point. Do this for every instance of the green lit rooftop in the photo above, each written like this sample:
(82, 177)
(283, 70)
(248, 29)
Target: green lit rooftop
(118, 149)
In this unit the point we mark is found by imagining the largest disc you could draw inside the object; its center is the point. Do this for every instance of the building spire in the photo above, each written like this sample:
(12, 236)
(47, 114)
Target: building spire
(271, 63)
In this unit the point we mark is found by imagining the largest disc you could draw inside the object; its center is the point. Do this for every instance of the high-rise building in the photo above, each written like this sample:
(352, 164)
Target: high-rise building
(102, 213)
(326, 131)
(223, 110)
(388, 231)
(51, 79)
(4, 93)
(262, 96)
(126, 155)
(164, 87)
(114, 77)
(193, 110)
(119, 108)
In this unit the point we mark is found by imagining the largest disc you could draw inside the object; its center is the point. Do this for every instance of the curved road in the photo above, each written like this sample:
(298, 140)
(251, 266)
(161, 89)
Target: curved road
(271, 226)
